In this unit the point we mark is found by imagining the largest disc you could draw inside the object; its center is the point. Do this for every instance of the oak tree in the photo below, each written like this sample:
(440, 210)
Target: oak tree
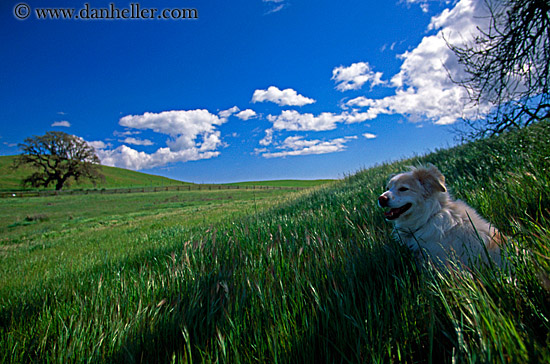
(58, 157)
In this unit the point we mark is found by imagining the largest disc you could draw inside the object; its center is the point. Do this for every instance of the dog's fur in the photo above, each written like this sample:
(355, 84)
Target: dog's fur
(434, 225)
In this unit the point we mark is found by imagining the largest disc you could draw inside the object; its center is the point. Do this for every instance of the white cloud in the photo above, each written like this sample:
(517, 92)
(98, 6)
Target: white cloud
(193, 136)
(287, 97)
(268, 139)
(424, 4)
(369, 135)
(355, 76)
(243, 115)
(227, 113)
(276, 9)
(184, 126)
(135, 141)
(296, 145)
(63, 123)
(280, 5)
(424, 90)
(246, 114)
(126, 132)
(126, 157)
(98, 145)
(294, 121)
(391, 47)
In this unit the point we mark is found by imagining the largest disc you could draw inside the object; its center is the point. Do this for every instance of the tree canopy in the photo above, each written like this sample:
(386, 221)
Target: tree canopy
(507, 66)
(58, 157)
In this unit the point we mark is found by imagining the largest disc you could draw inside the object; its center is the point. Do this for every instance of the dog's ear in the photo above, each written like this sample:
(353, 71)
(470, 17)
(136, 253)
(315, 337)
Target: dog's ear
(430, 178)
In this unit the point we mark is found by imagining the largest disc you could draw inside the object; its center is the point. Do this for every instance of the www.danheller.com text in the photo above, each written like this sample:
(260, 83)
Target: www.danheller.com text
(88, 12)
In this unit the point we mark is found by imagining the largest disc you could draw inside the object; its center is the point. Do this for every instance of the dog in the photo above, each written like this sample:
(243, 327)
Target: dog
(435, 226)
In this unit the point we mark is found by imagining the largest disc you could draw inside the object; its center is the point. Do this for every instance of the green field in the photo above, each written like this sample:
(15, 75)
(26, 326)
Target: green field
(99, 229)
(274, 276)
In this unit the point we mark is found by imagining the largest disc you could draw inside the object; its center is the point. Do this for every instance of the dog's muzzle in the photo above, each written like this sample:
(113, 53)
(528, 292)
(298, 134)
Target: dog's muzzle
(394, 213)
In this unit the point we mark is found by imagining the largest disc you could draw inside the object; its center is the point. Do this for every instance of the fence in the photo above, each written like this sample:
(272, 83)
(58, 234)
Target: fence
(190, 187)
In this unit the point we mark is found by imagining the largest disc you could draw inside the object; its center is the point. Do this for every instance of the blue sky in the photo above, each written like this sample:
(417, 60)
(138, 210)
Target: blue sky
(250, 90)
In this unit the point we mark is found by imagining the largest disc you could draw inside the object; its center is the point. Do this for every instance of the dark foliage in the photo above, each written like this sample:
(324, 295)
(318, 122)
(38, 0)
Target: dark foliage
(507, 66)
(57, 158)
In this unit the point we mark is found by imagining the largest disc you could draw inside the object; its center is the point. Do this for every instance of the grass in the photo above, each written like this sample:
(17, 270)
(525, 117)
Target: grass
(315, 278)
(39, 235)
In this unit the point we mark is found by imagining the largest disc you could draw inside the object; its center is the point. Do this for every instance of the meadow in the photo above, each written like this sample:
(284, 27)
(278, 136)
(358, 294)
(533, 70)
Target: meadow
(43, 235)
(267, 277)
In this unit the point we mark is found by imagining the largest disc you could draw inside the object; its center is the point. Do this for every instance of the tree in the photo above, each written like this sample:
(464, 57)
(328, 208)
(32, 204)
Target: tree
(507, 66)
(57, 157)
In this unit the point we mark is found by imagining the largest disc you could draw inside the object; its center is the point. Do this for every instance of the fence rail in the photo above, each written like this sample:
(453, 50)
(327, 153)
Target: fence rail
(191, 187)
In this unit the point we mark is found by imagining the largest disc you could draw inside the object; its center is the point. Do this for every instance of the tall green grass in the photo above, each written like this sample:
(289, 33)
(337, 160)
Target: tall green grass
(315, 279)
(44, 236)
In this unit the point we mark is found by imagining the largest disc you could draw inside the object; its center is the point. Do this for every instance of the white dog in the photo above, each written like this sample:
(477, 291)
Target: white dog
(434, 225)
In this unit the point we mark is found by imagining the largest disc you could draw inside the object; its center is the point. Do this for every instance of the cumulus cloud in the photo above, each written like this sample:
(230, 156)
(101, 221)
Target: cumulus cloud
(126, 157)
(63, 123)
(227, 113)
(135, 141)
(296, 145)
(246, 114)
(355, 76)
(192, 136)
(294, 121)
(183, 126)
(423, 89)
(369, 135)
(287, 97)
(99, 145)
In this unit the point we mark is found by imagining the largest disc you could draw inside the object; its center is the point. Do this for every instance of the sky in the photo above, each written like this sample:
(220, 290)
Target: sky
(241, 90)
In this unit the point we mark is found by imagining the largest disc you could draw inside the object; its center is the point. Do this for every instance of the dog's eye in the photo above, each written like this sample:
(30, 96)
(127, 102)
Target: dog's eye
(403, 189)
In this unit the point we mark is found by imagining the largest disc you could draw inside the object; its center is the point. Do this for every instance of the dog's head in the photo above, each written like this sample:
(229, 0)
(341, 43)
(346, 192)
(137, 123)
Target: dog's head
(408, 193)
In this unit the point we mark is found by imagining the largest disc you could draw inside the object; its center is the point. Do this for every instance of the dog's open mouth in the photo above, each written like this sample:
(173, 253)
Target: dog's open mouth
(394, 213)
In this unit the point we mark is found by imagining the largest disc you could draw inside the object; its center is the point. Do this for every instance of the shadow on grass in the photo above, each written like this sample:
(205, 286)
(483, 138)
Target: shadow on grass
(357, 310)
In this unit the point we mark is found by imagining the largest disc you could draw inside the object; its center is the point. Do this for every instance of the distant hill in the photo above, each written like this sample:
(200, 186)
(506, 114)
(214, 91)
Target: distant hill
(10, 179)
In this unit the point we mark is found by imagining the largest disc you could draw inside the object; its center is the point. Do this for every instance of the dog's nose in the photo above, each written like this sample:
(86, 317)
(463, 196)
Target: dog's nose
(383, 201)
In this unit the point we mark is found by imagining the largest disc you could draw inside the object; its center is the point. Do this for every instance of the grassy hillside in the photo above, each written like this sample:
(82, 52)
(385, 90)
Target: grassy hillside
(285, 183)
(10, 179)
(316, 279)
